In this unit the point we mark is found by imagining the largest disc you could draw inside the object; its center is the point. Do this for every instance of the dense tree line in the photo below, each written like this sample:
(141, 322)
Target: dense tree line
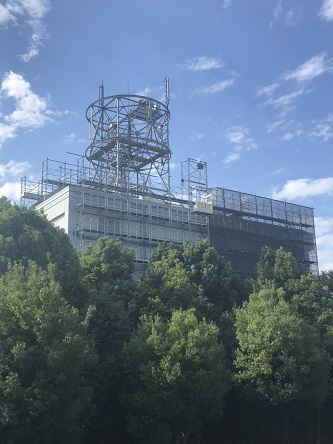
(190, 353)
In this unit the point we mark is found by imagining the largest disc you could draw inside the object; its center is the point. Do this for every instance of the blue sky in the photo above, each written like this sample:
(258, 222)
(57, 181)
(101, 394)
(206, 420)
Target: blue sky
(250, 82)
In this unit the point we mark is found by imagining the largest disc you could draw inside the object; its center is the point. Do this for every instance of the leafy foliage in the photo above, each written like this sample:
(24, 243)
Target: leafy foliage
(27, 235)
(178, 377)
(45, 358)
(68, 379)
(280, 358)
(189, 276)
(107, 273)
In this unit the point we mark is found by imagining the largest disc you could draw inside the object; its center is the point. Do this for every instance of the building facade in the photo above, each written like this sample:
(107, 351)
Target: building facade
(121, 189)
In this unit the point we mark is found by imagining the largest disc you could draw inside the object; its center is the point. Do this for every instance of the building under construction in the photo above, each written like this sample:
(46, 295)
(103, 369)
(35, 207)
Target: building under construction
(121, 189)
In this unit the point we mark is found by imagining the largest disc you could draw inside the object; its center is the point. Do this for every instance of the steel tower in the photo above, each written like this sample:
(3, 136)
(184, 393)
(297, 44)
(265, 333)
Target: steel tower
(129, 141)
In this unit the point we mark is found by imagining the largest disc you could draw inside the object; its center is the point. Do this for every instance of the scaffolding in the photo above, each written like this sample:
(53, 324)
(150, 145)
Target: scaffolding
(99, 207)
(243, 224)
(121, 189)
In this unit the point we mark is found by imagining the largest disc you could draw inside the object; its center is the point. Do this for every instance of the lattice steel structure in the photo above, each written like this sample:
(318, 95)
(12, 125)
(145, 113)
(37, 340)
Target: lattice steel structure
(121, 189)
(243, 224)
(129, 138)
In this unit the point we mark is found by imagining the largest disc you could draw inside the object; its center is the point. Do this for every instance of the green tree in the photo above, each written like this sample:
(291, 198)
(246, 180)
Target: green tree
(277, 267)
(186, 276)
(45, 357)
(109, 264)
(326, 278)
(177, 378)
(26, 235)
(281, 360)
(310, 296)
(107, 274)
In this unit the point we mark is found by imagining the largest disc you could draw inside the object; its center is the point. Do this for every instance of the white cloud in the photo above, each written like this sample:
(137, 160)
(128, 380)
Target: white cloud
(287, 136)
(195, 137)
(273, 126)
(7, 132)
(311, 69)
(326, 10)
(68, 140)
(32, 13)
(324, 250)
(13, 168)
(11, 190)
(277, 172)
(324, 225)
(6, 17)
(323, 129)
(231, 157)
(324, 240)
(226, 3)
(291, 135)
(30, 109)
(201, 64)
(289, 18)
(215, 88)
(267, 90)
(146, 92)
(285, 102)
(278, 10)
(303, 188)
(72, 138)
(57, 113)
(237, 135)
(292, 17)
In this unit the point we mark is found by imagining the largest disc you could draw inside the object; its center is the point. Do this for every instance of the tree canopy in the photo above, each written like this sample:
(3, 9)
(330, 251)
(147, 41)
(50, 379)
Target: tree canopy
(46, 356)
(26, 235)
(280, 358)
(178, 378)
(189, 353)
(189, 276)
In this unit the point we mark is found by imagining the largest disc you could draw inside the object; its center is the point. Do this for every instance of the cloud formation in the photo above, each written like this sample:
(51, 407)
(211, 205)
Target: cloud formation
(31, 110)
(293, 84)
(214, 88)
(303, 188)
(230, 158)
(12, 170)
(322, 130)
(326, 10)
(291, 135)
(237, 136)
(11, 190)
(324, 241)
(72, 138)
(29, 13)
(201, 64)
(311, 69)
(226, 3)
(291, 17)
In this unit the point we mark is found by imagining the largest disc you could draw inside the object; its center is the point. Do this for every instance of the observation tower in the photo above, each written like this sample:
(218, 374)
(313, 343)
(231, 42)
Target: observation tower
(129, 142)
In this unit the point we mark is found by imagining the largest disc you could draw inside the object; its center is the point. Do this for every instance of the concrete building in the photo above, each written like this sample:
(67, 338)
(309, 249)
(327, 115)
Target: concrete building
(121, 189)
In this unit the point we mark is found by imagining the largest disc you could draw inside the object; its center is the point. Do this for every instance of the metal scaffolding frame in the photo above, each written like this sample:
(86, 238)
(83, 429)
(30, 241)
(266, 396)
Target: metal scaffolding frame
(121, 189)
(242, 224)
(129, 137)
